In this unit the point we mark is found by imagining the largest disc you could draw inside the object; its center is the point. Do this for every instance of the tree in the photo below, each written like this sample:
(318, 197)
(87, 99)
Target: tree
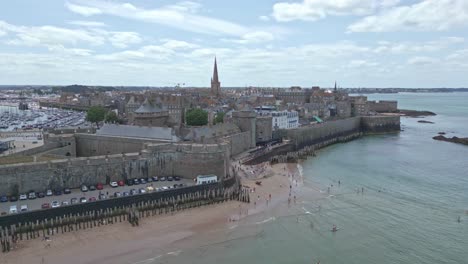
(96, 114)
(111, 117)
(196, 117)
(219, 118)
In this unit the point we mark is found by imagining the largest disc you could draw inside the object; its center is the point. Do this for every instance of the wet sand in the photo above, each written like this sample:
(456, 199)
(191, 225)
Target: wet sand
(163, 235)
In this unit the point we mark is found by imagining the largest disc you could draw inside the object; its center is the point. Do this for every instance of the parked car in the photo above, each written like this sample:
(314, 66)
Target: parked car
(176, 178)
(49, 193)
(13, 209)
(24, 208)
(149, 179)
(84, 188)
(73, 200)
(45, 205)
(143, 181)
(58, 192)
(136, 181)
(4, 199)
(13, 198)
(32, 195)
(133, 192)
(114, 184)
(23, 197)
(170, 178)
(121, 183)
(164, 188)
(129, 182)
(55, 204)
(162, 178)
(117, 194)
(150, 188)
(66, 191)
(83, 200)
(40, 195)
(102, 196)
(99, 186)
(65, 203)
(125, 194)
(92, 199)
(155, 178)
(142, 190)
(92, 188)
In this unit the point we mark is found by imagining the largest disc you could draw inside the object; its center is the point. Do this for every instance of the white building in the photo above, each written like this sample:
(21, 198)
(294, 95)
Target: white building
(280, 119)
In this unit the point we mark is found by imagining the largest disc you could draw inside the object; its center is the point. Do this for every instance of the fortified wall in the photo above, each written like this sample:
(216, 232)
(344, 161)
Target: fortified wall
(184, 160)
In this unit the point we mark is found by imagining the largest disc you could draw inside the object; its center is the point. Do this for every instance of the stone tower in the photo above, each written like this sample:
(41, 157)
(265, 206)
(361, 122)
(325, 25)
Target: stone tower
(246, 121)
(215, 84)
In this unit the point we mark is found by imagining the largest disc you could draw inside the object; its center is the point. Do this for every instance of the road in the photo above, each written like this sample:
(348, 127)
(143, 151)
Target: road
(77, 193)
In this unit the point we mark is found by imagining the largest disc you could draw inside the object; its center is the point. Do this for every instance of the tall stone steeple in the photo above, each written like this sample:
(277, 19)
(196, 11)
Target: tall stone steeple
(215, 84)
(336, 90)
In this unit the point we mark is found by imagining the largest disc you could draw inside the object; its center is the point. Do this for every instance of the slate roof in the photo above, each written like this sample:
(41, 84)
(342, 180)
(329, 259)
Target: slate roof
(156, 133)
(147, 107)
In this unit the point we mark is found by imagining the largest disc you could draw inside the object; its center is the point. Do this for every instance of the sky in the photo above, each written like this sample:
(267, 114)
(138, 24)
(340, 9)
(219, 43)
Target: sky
(281, 43)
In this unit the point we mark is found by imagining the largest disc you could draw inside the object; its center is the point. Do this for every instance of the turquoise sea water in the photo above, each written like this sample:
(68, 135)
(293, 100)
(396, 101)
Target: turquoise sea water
(414, 190)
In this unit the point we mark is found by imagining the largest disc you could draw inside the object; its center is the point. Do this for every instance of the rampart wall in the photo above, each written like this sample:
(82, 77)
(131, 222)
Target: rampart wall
(184, 160)
(98, 145)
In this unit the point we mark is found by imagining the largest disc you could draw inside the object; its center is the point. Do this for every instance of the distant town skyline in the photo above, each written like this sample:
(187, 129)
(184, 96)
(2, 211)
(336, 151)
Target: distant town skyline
(358, 43)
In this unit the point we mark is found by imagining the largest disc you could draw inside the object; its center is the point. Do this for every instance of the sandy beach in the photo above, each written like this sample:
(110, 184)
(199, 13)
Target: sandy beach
(168, 234)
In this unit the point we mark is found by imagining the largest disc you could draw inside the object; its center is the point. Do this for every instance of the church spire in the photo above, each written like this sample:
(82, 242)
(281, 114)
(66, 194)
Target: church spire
(215, 71)
(335, 87)
(215, 84)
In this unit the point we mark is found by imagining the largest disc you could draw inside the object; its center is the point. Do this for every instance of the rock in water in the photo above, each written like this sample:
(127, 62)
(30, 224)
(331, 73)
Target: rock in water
(457, 140)
(425, 122)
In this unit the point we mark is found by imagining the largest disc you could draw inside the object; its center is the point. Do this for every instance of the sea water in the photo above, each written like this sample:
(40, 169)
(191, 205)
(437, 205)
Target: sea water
(415, 188)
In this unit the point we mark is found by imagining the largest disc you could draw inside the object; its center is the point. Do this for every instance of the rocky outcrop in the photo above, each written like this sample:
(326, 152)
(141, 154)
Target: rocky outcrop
(415, 113)
(458, 140)
(425, 122)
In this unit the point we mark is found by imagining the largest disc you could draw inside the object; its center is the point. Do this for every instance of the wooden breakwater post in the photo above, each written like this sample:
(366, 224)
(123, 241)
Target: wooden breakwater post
(73, 222)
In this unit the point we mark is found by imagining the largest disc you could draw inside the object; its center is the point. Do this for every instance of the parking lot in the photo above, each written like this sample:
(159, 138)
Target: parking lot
(108, 192)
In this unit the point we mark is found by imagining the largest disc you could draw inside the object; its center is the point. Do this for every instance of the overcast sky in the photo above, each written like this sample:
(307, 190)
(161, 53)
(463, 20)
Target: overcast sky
(358, 43)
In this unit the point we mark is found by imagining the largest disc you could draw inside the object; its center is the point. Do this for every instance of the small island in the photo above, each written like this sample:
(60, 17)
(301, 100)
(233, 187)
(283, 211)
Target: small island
(458, 140)
(425, 122)
(415, 113)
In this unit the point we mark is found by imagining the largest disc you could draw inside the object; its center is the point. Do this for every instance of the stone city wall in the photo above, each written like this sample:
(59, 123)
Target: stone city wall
(383, 106)
(239, 142)
(309, 135)
(98, 145)
(380, 124)
(184, 160)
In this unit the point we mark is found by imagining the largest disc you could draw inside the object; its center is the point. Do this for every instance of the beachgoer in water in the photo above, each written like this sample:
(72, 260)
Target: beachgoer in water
(339, 183)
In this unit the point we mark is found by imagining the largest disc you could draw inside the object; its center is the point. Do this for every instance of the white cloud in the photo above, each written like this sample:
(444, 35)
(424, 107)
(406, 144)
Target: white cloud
(181, 16)
(87, 23)
(264, 18)
(417, 47)
(124, 39)
(178, 44)
(83, 10)
(121, 56)
(311, 10)
(253, 37)
(52, 37)
(428, 15)
(2, 33)
(421, 60)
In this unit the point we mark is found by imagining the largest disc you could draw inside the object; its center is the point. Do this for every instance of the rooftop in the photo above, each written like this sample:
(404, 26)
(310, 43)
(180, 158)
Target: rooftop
(156, 133)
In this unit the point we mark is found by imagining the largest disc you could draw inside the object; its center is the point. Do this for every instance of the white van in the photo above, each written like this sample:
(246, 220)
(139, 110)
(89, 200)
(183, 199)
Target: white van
(204, 179)
(13, 209)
